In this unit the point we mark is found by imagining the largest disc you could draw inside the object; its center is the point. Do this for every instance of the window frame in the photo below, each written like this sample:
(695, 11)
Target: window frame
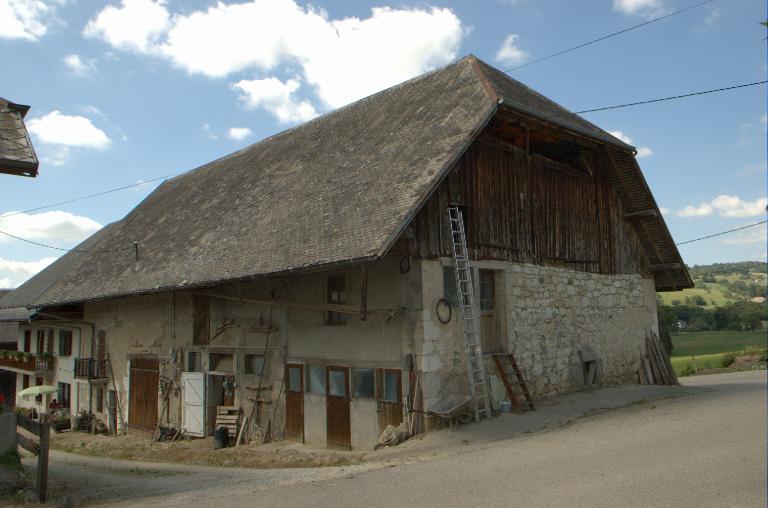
(337, 283)
(246, 364)
(354, 380)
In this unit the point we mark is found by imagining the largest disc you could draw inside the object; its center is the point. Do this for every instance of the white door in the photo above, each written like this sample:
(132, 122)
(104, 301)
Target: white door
(193, 387)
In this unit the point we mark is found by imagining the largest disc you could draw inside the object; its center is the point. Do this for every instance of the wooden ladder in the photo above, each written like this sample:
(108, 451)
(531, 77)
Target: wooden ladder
(503, 363)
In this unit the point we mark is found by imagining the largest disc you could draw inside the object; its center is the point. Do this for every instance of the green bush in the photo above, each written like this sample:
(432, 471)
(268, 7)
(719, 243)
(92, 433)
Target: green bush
(727, 360)
(688, 370)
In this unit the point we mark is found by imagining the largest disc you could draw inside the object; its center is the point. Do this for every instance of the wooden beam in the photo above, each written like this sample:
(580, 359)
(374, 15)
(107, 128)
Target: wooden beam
(651, 212)
(363, 292)
(343, 309)
(27, 443)
(665, 266)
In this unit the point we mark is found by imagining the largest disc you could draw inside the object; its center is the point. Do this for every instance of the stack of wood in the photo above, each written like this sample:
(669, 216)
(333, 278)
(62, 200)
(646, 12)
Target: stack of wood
(655, 366)
(228, 416)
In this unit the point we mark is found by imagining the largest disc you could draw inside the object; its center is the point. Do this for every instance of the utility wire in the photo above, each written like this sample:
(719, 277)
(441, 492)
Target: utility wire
(722, 233)
(649, 101)
(614, 34)
(62, 249)
(108, 191)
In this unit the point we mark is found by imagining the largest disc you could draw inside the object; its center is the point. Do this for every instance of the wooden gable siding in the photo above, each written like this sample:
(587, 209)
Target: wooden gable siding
(531, 210)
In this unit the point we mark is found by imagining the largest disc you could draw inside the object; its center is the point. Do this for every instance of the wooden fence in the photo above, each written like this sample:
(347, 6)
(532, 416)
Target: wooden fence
(42, 431)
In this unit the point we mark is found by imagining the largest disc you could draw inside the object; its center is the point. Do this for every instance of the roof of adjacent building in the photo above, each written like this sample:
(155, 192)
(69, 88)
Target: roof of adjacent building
(336, 190)
(17, 156)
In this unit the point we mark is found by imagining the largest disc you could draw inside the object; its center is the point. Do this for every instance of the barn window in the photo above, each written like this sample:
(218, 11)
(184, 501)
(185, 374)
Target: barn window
(254, 364)
(362, 383)
(195, 363)
(65, 342)
(27, 341)
(201, 320)
(316, 380)
(335, 289)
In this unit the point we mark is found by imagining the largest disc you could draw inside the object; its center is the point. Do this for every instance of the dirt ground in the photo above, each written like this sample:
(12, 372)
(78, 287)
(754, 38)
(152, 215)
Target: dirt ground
(283, 454)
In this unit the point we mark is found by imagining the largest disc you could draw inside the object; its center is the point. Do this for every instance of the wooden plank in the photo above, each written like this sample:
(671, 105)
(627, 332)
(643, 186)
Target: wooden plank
(27, 443)
(343, 309)
(28, 424)
(42, 459)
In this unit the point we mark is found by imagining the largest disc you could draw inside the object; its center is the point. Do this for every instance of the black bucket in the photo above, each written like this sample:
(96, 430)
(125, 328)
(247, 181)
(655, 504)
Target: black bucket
(220, 438)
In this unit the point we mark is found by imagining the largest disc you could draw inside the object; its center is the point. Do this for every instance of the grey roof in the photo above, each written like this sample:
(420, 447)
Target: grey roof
(338, 189)
(15, 314)
(17, 156)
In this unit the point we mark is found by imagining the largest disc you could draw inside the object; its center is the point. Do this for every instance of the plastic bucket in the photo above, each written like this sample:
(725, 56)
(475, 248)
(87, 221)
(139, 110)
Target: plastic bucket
(220, 438)
(506, 406)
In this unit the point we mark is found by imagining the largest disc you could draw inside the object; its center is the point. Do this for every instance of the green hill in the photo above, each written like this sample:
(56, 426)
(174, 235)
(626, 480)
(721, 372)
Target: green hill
(721, 283)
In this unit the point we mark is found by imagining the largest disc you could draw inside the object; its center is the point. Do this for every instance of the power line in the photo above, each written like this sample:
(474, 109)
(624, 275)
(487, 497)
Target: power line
(649, 101)
(614, 34)
(62, 249)
(722, 232)
(137, 184)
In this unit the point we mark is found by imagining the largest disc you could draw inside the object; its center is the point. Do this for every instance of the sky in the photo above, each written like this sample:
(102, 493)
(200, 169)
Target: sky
(127, 91)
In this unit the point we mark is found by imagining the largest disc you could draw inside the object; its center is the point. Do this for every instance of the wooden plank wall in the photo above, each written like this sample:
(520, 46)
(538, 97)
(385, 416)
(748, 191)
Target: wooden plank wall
(530, 209)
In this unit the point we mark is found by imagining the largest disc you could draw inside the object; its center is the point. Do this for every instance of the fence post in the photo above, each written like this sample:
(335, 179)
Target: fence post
(42, 458)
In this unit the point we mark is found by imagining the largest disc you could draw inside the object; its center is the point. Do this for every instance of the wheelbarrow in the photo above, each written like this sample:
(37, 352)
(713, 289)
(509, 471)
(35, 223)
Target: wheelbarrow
(453, 409)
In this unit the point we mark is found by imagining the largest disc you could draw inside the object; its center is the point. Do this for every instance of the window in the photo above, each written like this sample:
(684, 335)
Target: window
(27, 341)
(195, 363)
(40, 342)
(391, 388)
(295, 381)
(64, 394)
(254, 364)
(362, 383)
(38, 382)
(65, 342)
(335, 294)
(25, 382)
(337, 382)
(316, 380)
(201, 320)
(487, 290)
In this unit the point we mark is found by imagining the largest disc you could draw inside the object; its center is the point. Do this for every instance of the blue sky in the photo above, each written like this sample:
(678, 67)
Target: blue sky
(127, 91)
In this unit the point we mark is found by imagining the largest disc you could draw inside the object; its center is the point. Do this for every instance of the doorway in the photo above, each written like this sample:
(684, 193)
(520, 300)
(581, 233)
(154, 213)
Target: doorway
(294, 401)
(337, 408)
(389, 397)
(488, 323)
(143, 382)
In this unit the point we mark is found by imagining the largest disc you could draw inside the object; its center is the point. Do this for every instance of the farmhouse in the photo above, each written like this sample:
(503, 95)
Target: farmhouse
(17, 156)
(308, 281)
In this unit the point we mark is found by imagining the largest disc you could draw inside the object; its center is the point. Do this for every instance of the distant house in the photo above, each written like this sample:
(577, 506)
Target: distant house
(17, 155)
(311, 274)
(758, 299)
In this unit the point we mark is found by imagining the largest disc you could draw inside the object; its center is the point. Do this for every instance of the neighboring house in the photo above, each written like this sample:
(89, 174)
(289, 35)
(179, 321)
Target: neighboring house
(17, 156)
(306, 271)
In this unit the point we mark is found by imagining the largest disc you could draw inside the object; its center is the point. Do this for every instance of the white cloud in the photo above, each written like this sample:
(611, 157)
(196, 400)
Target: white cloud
(23, 19)
(135, 25)
(645, 8)
(14, 273)
(664, 210)
(755, 234)
(343, 59)
(733, 206)
(509, 53)
(713, 14)
(276, 97)
(79, 66)
(68, 130)
(49, 227)
(642, 151)
(239, 133)
(726, 206)
(209, 132)
(703, 210)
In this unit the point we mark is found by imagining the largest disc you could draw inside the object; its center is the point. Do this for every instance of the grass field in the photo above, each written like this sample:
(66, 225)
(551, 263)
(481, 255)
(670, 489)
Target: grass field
(705, 343)
(712, 293)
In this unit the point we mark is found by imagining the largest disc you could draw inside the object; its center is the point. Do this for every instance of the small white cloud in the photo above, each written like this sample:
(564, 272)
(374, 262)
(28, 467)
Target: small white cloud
(733, 206)
(644, 8)
(14, 273)
(68, 130)
(135, 25)
(642, 151)
(703, 210)
(509, 53)
(755, 234)
(713, 14)
(664, 210)
(49, 227)
(276, 97)
(239, 133)
(79, 66)
(209, 132)
(23, 19)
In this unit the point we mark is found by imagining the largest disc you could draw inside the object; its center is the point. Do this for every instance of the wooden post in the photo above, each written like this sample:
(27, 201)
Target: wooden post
(42, 458)
(363, 292)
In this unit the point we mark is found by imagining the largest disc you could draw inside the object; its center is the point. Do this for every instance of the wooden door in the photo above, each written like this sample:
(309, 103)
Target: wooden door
(389, 397)
(488, 325)
(143, 385)
(294, 401)
(337, 408)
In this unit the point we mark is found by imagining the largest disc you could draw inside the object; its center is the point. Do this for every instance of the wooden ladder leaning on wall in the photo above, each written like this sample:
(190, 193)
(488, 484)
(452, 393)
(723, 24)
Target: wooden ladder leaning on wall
(505, 362)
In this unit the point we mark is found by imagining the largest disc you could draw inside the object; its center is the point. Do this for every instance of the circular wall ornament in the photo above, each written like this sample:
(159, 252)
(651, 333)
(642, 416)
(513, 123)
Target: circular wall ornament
(444, 312)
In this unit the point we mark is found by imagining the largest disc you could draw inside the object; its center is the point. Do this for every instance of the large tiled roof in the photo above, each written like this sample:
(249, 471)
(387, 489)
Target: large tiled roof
(17, 156)
(333, 191)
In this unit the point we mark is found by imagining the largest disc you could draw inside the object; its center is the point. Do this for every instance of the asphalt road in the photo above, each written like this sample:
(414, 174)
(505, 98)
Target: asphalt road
(702, 449)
